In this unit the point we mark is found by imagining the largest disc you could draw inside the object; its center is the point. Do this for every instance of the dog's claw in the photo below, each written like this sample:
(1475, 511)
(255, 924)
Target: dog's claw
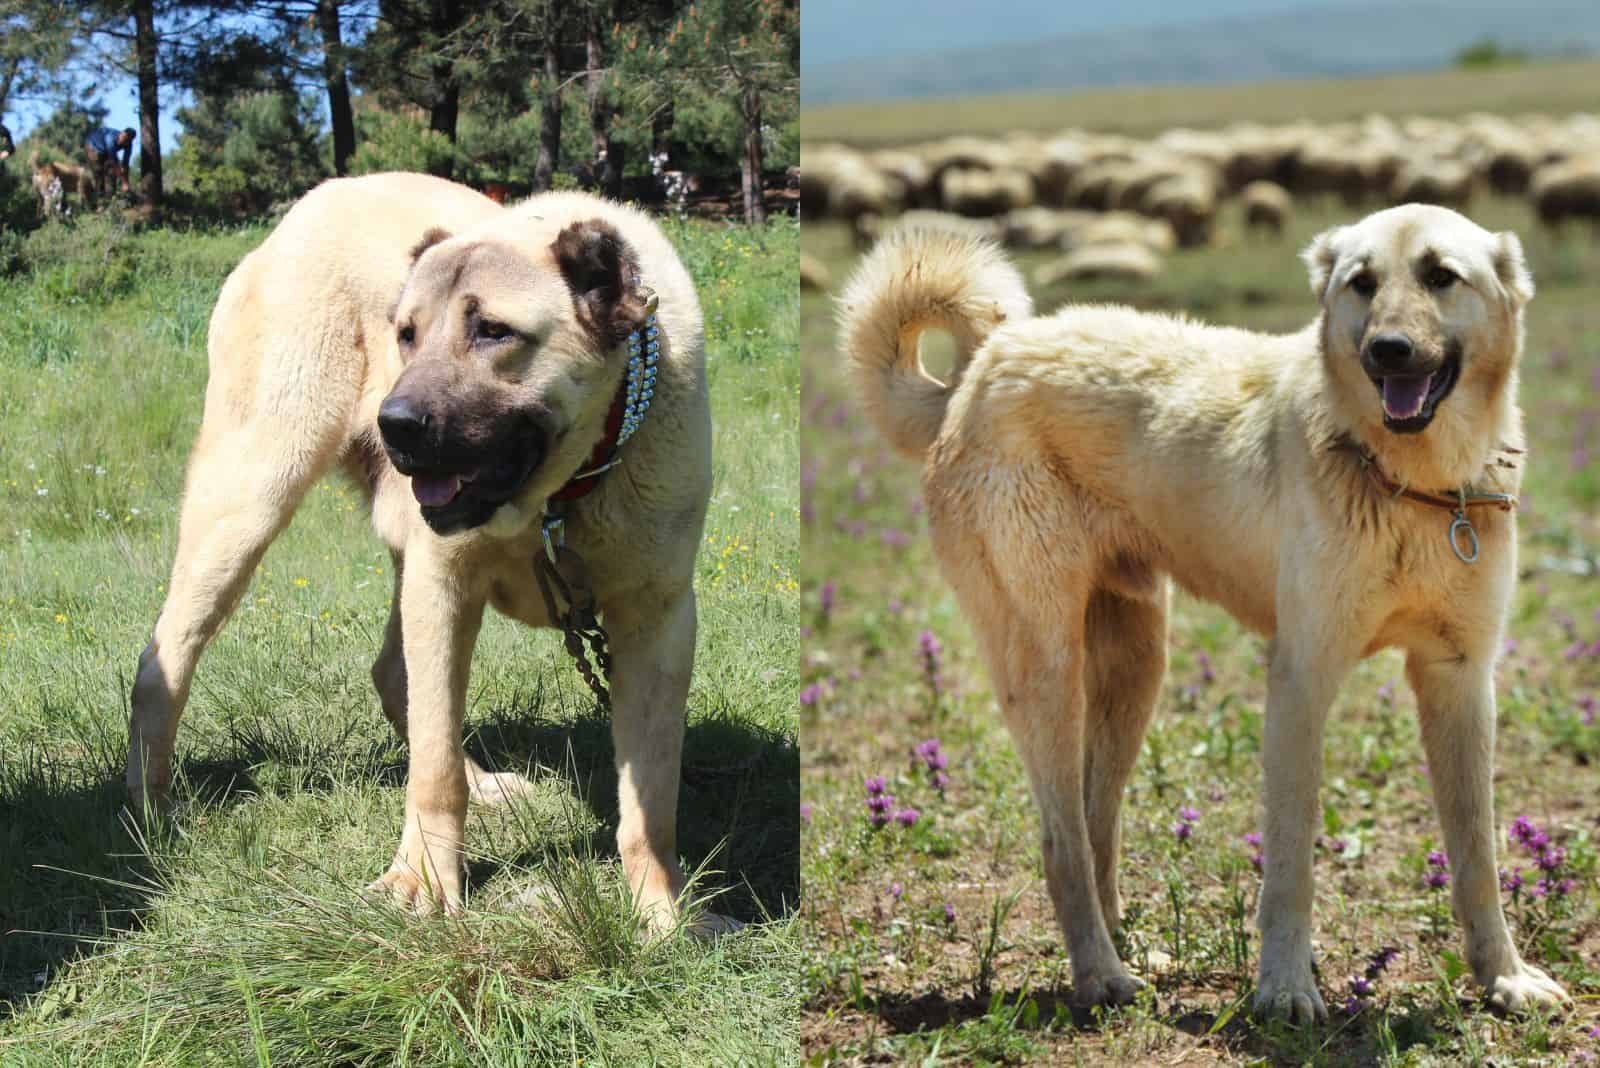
(1299, 1007)
(1526, 989)
(403, 888)
(1115, 989)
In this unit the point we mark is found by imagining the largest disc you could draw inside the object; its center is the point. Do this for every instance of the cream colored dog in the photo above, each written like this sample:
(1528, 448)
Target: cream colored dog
(1074, 462)
(460, 360)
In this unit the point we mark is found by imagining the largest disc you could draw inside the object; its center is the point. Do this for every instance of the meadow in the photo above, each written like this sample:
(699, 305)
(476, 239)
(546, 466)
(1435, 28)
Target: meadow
(234, 932)
(929, 933)
(1552, 88)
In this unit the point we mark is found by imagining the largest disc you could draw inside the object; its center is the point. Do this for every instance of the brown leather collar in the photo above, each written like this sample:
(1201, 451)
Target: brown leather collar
(1454, 501)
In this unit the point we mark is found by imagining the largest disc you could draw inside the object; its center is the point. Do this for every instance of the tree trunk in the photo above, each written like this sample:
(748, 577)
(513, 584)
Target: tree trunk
(145, 44)
(755, 209)
(446, 108)
(446, 88)
(607, 152)
(549, 116)
(338, 85)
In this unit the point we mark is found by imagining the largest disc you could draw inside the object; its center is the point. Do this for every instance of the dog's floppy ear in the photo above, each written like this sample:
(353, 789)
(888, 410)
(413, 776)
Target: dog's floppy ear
(1320, 256)
(602, 271)
(1512, 269)
(430, 237)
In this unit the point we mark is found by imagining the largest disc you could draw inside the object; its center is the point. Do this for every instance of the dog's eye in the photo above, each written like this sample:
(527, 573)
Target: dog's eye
(408, 334)
(489, 330)
(1364, 284)
(1441, 278)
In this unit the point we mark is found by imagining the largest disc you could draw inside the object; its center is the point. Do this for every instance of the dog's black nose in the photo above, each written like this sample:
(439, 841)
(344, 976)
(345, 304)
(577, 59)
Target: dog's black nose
(1390, 352)
(403, 424)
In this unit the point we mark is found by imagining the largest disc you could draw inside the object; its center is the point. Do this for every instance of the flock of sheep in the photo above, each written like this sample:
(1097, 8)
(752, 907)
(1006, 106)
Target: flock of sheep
(1115, 205)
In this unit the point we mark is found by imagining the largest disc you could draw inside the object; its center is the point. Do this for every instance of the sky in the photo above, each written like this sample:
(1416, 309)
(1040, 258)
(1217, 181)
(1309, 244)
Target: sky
(835, 30)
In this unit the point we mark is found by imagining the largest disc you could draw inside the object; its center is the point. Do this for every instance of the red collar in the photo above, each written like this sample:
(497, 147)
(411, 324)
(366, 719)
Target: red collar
(604, 456)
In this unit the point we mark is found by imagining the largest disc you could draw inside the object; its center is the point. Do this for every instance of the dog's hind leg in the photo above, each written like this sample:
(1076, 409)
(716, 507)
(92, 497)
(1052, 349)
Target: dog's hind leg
(1126, 646)
(243, 486)
(389, 679)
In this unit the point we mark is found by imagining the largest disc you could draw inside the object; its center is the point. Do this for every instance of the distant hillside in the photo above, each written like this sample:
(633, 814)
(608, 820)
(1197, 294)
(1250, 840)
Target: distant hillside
(1319, 43)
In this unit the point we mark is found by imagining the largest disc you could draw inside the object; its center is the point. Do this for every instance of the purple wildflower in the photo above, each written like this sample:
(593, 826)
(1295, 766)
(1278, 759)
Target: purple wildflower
(805, 812)
(1552, 858)
(1381, 960)
(1353, 1005)
(1511, 881)
(1386, 694)
(1207, 675)
(1589, 705)
(1437, 880)
(894, 538)
(906, 817)
(825, 600)
(810, 695)
(1183, 831)
(875, 785)
(1437, 859)
(949, 914)
(896, 891)
(1361, 986)
(932, 662)
(1188, 814)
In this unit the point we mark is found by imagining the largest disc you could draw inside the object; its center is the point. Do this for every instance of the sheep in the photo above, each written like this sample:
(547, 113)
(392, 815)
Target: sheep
(1267, 206)
(1188, 203)
(1567, 190)
(1129, 263)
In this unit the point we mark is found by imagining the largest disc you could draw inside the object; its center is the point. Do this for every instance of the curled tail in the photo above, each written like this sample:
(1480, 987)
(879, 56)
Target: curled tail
(911, 281)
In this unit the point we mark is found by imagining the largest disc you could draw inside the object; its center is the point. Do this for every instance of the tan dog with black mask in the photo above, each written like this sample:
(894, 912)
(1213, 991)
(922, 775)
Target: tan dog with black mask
(463, 362)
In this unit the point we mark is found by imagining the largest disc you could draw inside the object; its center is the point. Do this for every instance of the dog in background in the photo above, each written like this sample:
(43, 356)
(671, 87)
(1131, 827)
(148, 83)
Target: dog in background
(53, 179)
(1075, 464)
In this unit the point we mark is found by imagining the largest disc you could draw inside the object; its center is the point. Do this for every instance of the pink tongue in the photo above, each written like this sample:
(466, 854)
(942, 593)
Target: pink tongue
(435, 490)
(1403, 397)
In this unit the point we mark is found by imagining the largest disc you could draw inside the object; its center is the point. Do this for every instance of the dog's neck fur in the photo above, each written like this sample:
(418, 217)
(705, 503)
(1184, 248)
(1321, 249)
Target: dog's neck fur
(1456, 451)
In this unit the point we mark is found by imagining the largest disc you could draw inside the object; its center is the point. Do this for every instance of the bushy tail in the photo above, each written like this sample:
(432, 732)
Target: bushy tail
(911, 281)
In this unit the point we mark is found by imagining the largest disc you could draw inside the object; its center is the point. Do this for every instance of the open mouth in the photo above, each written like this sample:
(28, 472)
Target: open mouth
(1409, 400)
(460, 500)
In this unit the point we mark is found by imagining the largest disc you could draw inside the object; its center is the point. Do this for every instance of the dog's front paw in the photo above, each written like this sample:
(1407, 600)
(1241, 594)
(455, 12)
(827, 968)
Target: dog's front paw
(1295, 1000)
(496, 789)
(405, 886)
(1117, 988)
(1526, 988)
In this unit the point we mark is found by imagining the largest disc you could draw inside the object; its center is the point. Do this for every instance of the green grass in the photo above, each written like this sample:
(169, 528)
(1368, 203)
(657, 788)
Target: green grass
(1556, 88)
(236, 933)
(893, 981)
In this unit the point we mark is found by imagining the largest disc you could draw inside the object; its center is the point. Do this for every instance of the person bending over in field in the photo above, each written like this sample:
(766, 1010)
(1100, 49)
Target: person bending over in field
(103, 147)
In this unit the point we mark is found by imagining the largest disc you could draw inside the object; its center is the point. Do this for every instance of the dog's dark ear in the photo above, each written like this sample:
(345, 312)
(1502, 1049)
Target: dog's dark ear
(430, 237)
(1320, 256)
(602, 271)
(1512, 269)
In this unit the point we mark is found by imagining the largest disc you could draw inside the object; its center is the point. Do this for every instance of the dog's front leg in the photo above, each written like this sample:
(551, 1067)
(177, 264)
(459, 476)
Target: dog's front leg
(1303, 679)
(652, 642)
(440, 626)
(1455, 698)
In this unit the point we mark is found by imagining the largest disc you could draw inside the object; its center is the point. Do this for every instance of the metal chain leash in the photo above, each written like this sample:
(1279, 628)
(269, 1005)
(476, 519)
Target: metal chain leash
(562, 572)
